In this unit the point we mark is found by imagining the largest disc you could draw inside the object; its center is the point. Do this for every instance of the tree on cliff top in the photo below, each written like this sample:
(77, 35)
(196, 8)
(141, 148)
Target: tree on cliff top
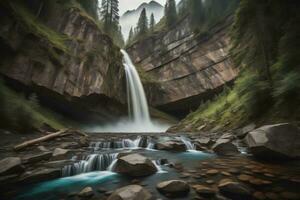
(152, 22)
(142, 25)
(110, 18)
(197, 12)
(170, 12)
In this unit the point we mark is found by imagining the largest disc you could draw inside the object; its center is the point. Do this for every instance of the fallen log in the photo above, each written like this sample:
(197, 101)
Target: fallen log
(40, 139)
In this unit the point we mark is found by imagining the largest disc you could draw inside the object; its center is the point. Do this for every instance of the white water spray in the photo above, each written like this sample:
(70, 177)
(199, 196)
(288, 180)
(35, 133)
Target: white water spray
(139, 117)
(136, 98)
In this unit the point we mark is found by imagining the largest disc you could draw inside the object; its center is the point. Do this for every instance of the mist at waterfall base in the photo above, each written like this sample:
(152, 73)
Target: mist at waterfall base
(139, 119)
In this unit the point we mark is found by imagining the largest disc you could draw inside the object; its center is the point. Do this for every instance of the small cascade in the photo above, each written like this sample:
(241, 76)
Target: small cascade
(122, 144)
(158, 167)
(93, 162)
(187, 142)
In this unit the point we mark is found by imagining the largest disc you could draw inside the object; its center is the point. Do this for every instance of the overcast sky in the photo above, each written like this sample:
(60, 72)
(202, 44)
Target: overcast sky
(133, 4)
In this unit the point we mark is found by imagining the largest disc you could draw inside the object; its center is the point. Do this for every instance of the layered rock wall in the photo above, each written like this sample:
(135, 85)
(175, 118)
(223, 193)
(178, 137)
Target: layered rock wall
(85, 64)
(190, 68)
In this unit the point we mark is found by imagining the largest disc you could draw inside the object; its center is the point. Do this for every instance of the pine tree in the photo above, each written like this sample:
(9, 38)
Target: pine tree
(197, 12)
(170, 12)
(130, 37)
(152, 22)
(110, 17)
(110, 14)
(142, 25)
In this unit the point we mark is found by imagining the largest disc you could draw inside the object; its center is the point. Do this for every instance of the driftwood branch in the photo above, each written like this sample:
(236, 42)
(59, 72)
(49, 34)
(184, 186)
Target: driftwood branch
(41, 139)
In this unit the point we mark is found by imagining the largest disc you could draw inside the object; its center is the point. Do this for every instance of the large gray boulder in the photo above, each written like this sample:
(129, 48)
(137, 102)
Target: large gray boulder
(234, 190)
(135, 165)
(176, 146)
(10, 165)
(279, 141)
(225, 147)
(39, 175)
(173, 188)
(131, 192)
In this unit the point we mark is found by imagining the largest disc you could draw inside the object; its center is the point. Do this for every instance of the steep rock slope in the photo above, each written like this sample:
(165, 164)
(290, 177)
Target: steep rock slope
(188, 67)
(62, 53)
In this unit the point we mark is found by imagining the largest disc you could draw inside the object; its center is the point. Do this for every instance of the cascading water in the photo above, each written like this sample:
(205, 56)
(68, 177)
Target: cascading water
(139, 117)
(93, 162)
(136, 98)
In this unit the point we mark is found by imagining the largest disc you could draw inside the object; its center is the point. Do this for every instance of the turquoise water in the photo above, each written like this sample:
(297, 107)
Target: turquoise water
(61, 188)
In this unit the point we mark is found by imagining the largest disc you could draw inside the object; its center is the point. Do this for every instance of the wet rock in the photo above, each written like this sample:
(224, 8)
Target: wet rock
(279, 141)
(131, 192)
(69, 145)
(43, 148)
(173, 188)
(39, 175)
(171, 146)
(83, 141)
(10, 165)
(234, 190)
(243, 132)
(204, 191)
(47, 128)
(135, 165)
(86, 192)
(205, 141)
(227, 136)
(224, 147)
(199, 147)
(37, 157)
(8, 180)
(212, 172)
(60, 154)
(259, 195)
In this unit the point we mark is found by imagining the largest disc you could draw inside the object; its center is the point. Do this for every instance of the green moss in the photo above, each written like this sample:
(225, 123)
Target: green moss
(24, 114)
(34, 26)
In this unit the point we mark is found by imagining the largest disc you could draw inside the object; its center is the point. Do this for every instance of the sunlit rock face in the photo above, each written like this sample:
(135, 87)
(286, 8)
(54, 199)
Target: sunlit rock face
(90, 65)
(189, 67)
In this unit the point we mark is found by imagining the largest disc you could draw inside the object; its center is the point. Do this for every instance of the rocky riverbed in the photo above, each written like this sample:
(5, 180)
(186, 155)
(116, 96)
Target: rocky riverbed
(209, 165)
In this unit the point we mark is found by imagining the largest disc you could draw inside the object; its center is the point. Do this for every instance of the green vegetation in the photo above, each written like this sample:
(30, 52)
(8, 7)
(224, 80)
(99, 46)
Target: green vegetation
(110, 19)
(34, 26)
(152, 22)
(266, 48)
(142, 27)
(24, 114)
(170, 13)
(90, 6)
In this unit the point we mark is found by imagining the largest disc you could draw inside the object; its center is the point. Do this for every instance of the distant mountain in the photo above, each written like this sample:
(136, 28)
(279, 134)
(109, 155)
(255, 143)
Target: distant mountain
(130, 18)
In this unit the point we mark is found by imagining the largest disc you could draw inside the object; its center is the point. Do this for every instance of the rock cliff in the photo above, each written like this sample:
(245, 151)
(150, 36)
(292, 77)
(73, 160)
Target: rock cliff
(188, 67)
(61, 52)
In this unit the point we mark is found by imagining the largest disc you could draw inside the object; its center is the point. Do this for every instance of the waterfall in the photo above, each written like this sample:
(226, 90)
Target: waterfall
(93, 162)
(136, 98)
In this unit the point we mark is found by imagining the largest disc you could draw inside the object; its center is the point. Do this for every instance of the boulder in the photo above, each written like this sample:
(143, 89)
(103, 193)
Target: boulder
(278, 141)
(10, 165)
(173, 188)
(234, 190)
(131, 192)
(37, 157)
(204, 191)
(205, 141)
(60, 154)
(86, 192)
(224, 147)
(135, 165)
(69, 145)
(39, 175)
(171, 146)
(242, 133)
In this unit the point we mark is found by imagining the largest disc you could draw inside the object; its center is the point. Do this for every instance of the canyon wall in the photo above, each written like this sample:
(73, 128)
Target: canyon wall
(63, 54)
(188, 67)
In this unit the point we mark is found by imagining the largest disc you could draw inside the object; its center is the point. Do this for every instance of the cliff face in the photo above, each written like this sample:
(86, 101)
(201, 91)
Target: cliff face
(65, 54)
(188, 67)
